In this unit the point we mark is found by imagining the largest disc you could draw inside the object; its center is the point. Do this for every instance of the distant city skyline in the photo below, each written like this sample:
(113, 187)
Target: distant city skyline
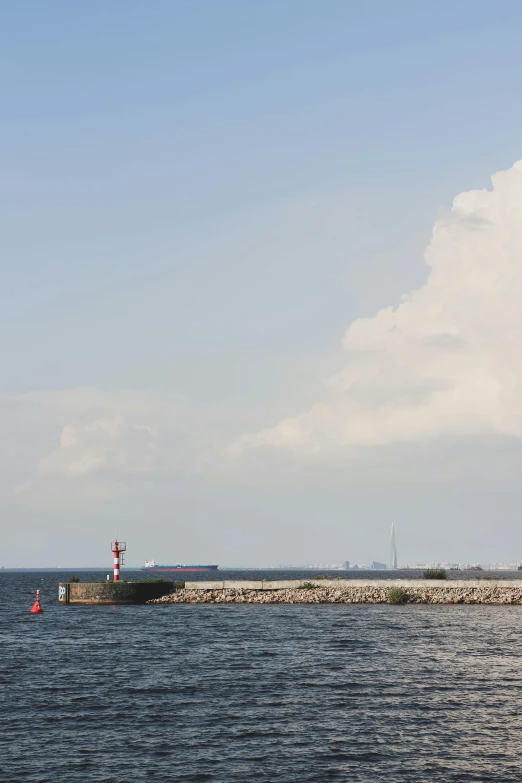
(374, 566)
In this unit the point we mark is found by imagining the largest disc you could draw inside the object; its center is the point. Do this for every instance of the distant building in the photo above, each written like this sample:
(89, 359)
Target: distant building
(346, 565)
(393, 548)
(378, 566)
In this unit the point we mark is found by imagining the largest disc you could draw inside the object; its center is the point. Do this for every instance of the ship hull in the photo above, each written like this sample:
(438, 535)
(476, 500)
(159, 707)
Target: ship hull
(179, 568)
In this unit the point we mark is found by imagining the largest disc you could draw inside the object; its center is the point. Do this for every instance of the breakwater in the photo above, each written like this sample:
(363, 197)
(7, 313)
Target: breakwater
(119, 592)
(343, 591)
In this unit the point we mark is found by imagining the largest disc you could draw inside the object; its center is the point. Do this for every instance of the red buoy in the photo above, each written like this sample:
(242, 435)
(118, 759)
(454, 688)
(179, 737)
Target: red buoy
(37, 607)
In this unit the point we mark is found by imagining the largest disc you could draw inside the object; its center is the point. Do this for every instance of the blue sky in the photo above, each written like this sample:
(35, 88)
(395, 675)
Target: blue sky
(197, 200)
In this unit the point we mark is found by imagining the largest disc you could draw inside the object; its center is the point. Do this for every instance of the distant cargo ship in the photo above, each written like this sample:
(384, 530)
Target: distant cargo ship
(150, 565)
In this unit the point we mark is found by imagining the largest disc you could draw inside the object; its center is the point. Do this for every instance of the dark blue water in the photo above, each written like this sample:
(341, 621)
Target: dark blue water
(256, 693)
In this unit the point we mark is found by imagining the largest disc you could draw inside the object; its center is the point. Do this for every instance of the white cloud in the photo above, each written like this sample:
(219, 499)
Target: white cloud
(444, 362)
(111, 443)
(19, 489)
(86, 438)
(68, 436)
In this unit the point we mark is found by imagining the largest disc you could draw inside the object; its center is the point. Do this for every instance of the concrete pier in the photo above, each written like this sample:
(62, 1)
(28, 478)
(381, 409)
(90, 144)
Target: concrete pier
(112, 592)
(342, 584)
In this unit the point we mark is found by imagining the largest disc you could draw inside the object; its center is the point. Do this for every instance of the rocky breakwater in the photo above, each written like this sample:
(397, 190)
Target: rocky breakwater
(378, 592)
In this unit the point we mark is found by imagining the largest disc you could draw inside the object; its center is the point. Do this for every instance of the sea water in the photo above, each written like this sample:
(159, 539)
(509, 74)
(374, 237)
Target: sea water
(244, 693)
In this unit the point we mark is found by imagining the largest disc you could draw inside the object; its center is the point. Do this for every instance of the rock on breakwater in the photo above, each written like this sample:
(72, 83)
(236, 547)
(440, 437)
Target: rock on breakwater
(490, 593)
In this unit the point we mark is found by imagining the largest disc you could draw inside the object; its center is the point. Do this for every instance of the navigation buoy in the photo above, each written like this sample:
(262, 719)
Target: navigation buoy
(37, 607)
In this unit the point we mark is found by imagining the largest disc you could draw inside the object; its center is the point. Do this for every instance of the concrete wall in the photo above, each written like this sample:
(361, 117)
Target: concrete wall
(294, 583)
(112, 592)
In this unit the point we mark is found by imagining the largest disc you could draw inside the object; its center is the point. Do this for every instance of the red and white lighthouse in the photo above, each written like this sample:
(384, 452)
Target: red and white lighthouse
(118, 550)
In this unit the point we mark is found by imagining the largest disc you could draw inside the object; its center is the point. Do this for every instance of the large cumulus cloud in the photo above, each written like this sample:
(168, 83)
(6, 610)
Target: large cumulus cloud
(447, 361)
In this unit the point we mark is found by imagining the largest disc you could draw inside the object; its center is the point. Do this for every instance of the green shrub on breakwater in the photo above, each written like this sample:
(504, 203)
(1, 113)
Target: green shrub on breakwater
(307, 586)
(435, 573)
(160, 580)
(396, 595)
(74, 578)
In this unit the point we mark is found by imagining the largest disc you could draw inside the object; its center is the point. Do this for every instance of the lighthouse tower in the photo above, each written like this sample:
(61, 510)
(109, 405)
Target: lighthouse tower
(118, 550)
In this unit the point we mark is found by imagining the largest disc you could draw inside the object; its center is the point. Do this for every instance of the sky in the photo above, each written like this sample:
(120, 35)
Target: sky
(261, 281)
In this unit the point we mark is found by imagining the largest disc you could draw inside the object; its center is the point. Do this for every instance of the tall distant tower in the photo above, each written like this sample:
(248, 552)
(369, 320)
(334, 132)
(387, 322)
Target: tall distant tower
(393, 548)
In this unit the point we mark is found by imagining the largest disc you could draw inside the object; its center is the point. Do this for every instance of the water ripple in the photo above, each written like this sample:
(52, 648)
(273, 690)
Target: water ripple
(230, 694)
